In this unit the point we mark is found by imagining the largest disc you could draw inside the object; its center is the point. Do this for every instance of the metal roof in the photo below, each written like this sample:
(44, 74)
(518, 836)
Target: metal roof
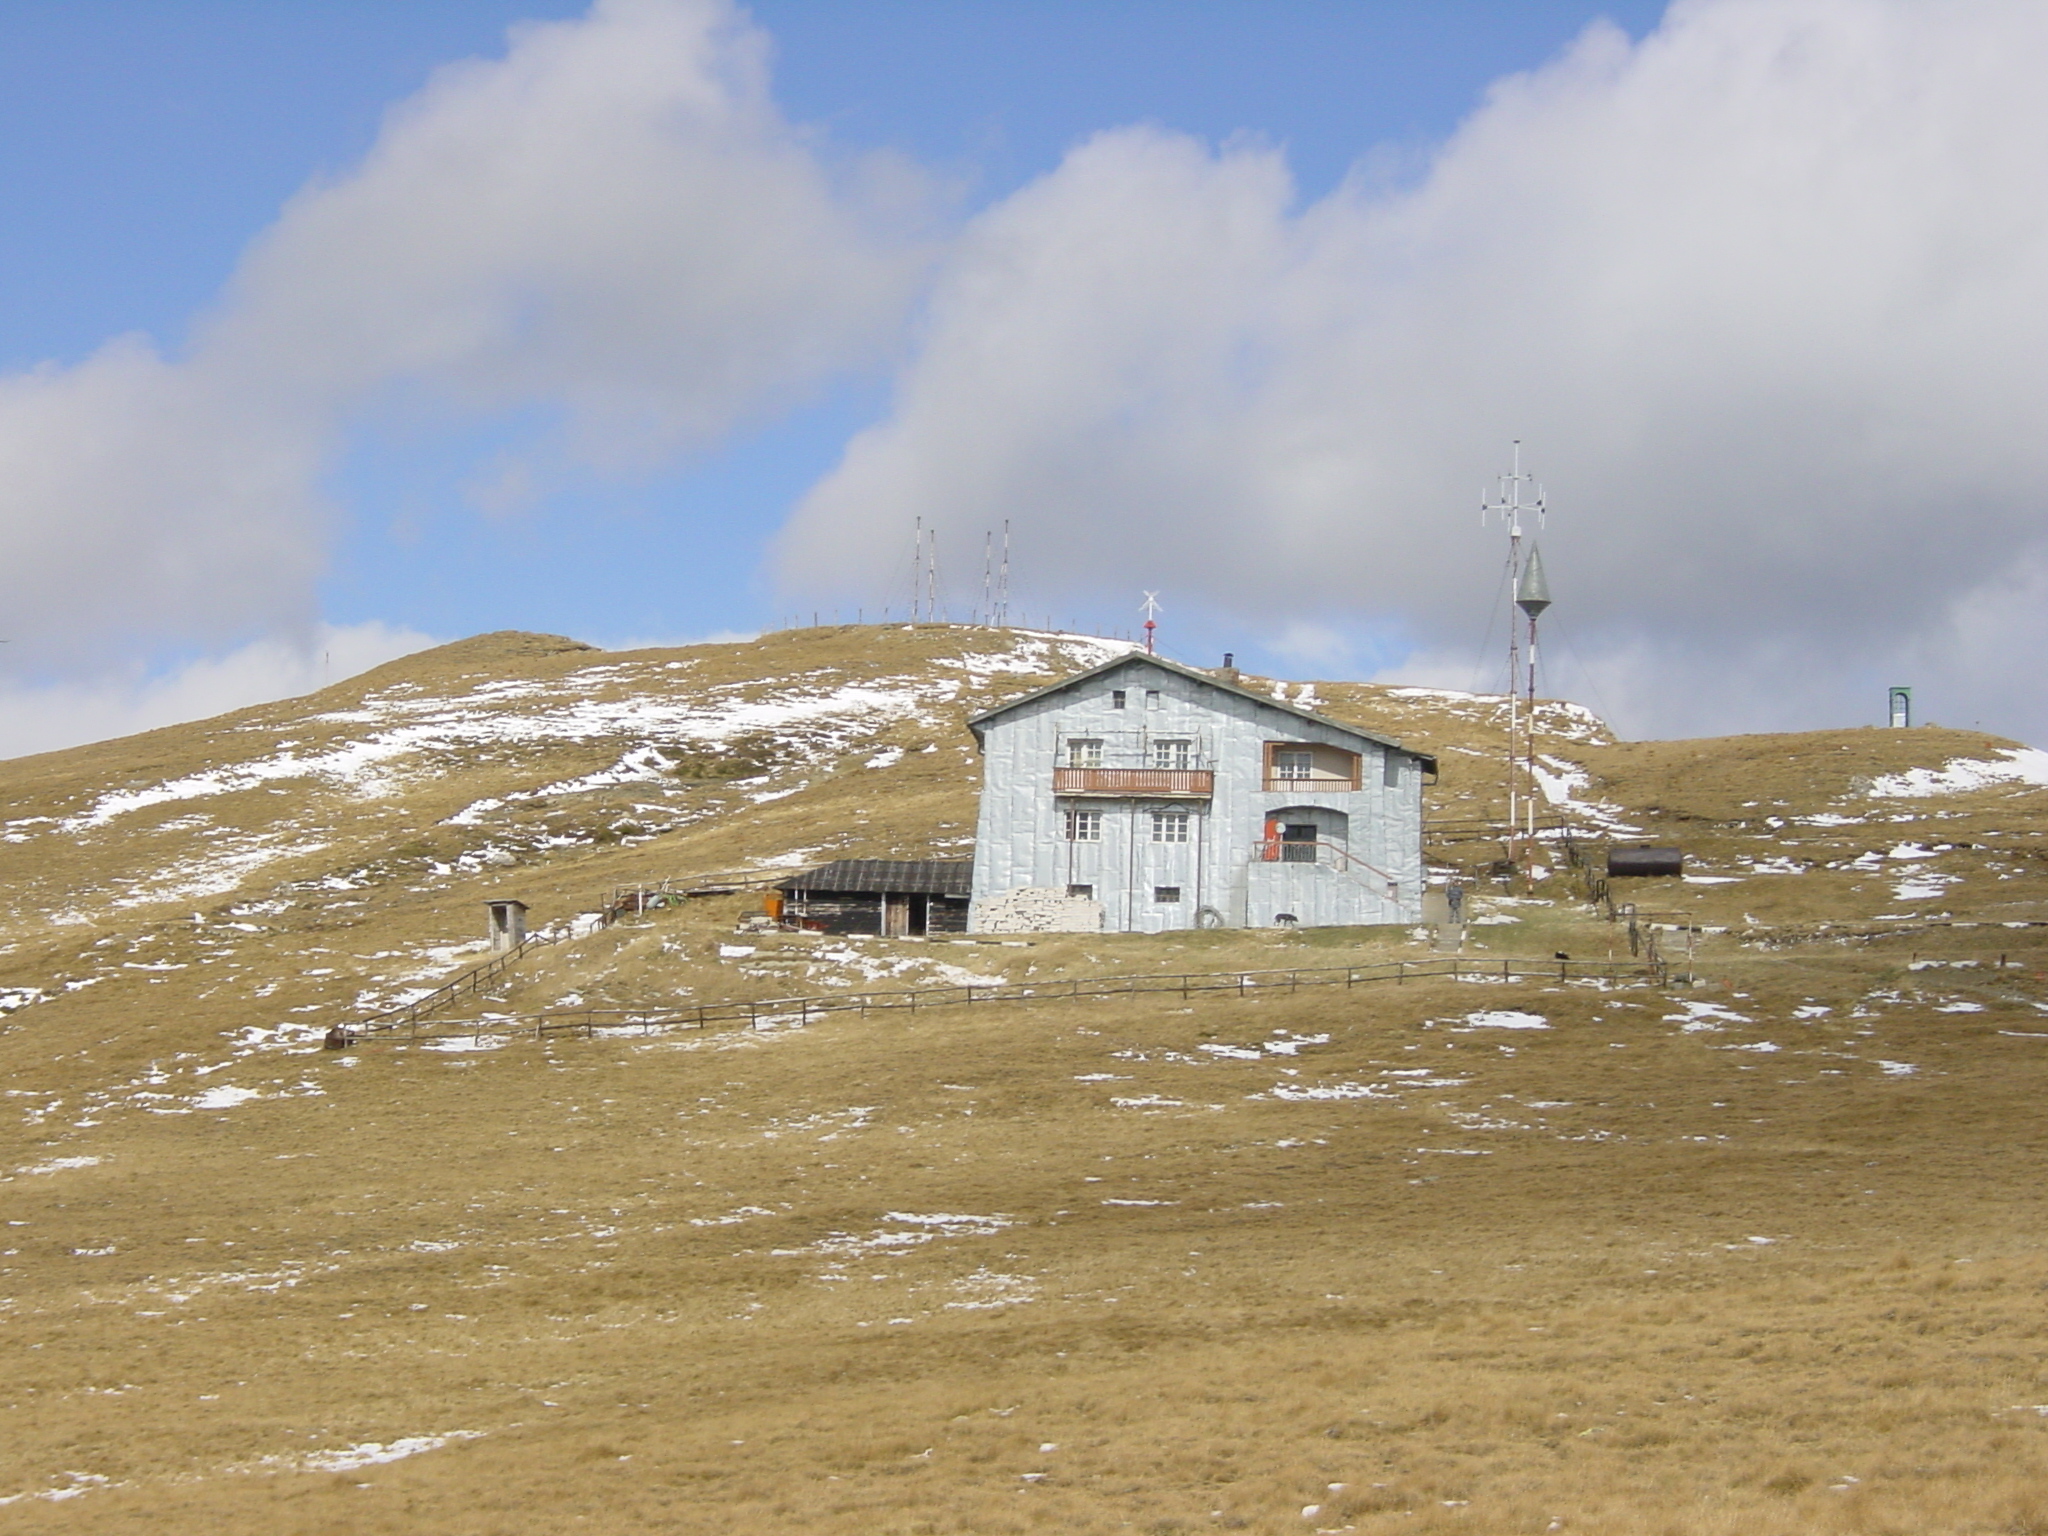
(1199, 676)
(896, 877)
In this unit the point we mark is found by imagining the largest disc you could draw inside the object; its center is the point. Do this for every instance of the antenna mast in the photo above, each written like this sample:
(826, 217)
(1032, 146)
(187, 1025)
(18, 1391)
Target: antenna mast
(916, 569)
(1508, 505)
(1532, 596)
(1003, 580)
(1152, 610)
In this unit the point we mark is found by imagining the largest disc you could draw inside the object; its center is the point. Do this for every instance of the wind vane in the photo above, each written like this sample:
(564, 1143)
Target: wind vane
(1152, 609)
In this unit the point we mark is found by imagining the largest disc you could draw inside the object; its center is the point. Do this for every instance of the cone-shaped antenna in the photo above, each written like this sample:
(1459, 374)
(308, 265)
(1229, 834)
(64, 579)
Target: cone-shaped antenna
(1532, 592)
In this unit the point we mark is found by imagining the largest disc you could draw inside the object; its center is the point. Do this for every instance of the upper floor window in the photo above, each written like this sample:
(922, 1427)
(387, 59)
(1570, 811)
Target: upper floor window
(1151, 698)
(1084, 752)
(1173, 754)
(1169, 826)
(1084, 826)
(1293, 763)
(1116, 698)
(1390, 770)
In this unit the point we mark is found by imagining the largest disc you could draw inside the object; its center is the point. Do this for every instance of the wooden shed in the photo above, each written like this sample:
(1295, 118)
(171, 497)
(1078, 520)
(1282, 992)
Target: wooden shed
(897, 898)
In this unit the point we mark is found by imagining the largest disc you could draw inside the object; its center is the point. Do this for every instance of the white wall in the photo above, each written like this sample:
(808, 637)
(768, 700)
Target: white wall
(1021, 836)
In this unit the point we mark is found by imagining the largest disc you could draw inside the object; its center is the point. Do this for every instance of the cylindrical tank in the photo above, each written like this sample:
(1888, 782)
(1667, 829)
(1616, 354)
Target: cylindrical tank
(1622, 862)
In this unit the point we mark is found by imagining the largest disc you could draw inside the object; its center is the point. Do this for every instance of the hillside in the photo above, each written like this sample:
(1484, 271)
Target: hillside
(1753, 1254)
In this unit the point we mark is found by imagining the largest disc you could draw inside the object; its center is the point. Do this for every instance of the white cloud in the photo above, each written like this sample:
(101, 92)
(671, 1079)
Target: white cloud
(1767, 295)
(610, 227)
(69, 713)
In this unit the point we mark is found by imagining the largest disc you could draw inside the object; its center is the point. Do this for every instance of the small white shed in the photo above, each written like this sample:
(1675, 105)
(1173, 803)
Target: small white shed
(507, 922)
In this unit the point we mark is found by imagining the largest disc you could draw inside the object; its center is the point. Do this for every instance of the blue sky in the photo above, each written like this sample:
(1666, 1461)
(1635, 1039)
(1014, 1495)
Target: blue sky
(1241, 302)
(142, 146)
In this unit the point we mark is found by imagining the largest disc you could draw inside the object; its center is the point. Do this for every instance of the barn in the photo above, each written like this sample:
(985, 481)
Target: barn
(897, 898)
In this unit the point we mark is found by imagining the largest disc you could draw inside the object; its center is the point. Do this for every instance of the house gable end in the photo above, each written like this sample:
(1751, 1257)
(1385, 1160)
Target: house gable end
(1285, 716)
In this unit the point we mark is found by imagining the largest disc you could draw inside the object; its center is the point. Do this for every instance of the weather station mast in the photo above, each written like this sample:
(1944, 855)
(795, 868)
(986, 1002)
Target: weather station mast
(1525, 585)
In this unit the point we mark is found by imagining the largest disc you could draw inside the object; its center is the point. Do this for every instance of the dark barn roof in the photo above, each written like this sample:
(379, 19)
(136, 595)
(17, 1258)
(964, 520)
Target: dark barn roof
(895, 877)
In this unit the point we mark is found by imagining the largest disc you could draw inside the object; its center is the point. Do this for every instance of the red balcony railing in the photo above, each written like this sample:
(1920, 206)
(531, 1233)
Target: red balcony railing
(1169, 783)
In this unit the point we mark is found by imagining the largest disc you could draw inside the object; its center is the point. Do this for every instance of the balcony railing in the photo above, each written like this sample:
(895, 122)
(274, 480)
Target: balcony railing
(1288, 784)
(1164, 783)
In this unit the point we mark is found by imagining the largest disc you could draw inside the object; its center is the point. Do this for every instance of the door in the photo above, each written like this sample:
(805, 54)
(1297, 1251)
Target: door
(1298, 842)
(895, 917)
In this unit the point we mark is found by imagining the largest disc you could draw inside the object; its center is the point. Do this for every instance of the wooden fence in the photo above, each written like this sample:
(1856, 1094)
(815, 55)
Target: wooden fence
(801, 1010)
(407, 1016)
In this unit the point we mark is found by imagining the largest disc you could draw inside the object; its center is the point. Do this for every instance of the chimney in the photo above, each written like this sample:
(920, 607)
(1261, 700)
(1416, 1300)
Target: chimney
(1228, 671)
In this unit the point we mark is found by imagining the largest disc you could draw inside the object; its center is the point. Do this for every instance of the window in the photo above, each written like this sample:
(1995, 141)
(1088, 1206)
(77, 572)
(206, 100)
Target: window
(1169, 826)
(1084, 826)
(1166, 895)
(1173, 754)
(1081, 892)
(1390, 770)
(1298, 843)
(1151, 698)
(1116, 698)
(1293, 763)
(1084, 754)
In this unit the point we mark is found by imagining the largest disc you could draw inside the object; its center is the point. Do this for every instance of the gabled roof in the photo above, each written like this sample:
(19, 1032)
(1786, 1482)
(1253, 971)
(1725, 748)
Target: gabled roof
(897, 877)
(1266, 700)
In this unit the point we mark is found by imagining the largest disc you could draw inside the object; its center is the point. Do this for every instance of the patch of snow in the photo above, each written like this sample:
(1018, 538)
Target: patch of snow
(59, 1164)
(1505, 1018)
(373, 1453)
(225, 1096)
(1295, 1093)
(1925, 885)
(2021, 765)
(1704, 1016)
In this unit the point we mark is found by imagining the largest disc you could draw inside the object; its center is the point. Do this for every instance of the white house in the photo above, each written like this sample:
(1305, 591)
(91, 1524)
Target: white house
(1143, 796)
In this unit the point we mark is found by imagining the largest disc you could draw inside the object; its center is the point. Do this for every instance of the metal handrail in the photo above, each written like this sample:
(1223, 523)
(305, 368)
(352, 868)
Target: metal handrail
(1274, 850)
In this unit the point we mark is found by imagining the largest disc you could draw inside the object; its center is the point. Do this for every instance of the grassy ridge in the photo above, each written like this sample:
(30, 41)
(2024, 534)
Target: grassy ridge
(1760, 1255)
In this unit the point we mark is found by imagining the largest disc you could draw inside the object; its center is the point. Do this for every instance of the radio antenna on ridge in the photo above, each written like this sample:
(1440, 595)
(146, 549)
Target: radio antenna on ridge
(1509, 506)
(1003, 580)
(1152, 610)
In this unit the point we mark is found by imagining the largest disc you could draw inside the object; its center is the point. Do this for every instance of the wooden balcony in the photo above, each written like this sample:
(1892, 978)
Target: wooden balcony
(1322, 784)
(1130, 783)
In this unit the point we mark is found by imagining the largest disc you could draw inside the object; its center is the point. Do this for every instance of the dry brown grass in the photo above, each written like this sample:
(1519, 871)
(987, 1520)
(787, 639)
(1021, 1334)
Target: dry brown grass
(1511, 1283)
